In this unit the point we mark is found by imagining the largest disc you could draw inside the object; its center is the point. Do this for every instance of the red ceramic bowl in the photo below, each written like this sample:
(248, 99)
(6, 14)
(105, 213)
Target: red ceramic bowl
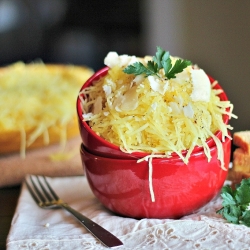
(97, 145)
(122, 185)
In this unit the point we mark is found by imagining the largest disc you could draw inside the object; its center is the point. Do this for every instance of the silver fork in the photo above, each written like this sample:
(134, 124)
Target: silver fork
(45, 197)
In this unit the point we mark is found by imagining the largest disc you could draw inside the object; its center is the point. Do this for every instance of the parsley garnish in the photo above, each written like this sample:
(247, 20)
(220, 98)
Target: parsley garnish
(161, 60)
(236, 203)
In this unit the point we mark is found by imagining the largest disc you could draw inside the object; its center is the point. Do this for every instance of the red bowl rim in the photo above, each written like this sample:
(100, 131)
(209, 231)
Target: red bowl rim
(102, 72)
(172, 157)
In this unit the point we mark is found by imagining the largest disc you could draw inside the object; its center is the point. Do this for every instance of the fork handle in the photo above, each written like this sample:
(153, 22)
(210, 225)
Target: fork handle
(96, 230)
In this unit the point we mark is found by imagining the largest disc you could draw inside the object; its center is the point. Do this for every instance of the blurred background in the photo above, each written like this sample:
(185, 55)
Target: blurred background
(67, 31)
(213, 34)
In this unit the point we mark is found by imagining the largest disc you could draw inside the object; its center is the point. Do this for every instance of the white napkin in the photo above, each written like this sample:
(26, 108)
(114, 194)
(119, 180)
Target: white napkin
(36, 228)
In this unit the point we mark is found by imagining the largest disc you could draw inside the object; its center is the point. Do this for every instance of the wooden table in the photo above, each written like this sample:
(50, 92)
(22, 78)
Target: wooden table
(8, 201)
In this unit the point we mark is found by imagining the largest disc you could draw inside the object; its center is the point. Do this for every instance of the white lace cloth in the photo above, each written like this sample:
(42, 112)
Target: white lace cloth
(35, 228)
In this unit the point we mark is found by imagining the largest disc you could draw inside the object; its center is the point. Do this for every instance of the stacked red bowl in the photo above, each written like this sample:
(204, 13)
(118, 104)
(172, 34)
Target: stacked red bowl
(165, 188)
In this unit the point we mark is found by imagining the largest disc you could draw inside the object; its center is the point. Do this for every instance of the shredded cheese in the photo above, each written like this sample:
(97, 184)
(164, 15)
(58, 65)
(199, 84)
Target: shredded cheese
(36, 97)
(160, 116)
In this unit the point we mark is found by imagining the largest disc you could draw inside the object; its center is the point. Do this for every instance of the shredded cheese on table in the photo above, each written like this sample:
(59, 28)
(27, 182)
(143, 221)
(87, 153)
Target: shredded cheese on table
(156, 115)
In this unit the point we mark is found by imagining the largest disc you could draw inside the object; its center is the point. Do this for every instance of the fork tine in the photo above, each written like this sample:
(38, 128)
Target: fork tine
(38, 192)
(32, 192)
(50, 189)
(48, 196)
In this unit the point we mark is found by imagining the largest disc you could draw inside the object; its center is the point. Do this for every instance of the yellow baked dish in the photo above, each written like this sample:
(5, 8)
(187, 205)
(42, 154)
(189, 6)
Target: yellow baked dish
(37, 103)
